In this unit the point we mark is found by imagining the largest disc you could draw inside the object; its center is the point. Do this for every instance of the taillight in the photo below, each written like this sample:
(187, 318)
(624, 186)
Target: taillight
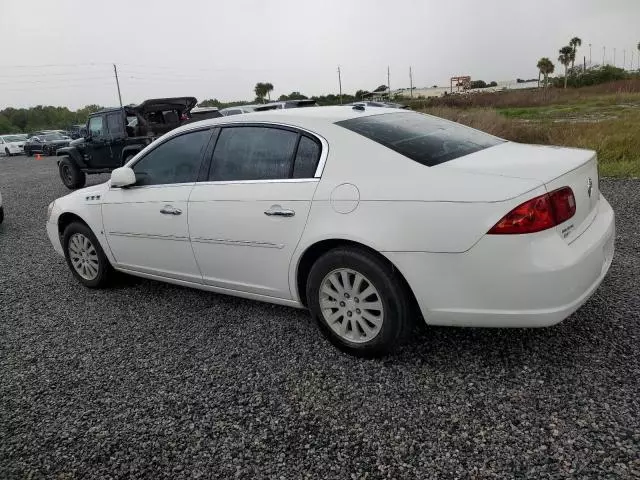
(537, 214)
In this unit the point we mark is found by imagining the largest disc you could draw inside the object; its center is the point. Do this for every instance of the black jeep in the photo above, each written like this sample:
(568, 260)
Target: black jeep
(113, 136)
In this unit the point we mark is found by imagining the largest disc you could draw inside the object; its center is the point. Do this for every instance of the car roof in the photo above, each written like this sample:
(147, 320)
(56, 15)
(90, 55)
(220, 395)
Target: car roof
(327, 114)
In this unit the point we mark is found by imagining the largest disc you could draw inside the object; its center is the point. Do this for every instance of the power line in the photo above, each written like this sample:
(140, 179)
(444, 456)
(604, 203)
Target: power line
(21, 82)
(56, 65)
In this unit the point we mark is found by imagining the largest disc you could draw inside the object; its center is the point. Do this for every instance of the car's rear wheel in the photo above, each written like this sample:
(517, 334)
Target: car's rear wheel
(46, 151)
(71, 175)
(359, 301)
(85, 257)
(28, 152)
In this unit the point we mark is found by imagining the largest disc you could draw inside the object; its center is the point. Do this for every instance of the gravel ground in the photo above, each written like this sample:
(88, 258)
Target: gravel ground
(157, 381)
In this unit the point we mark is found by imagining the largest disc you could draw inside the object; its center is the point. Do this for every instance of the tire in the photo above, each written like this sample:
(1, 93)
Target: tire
(128, 157)
(46, 152)
(1, 215)
(92, 269)
(368, 332)
(7, 152)
(28, 152)
(71, 175)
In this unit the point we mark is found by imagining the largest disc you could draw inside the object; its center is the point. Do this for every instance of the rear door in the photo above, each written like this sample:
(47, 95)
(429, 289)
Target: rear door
(247, 218)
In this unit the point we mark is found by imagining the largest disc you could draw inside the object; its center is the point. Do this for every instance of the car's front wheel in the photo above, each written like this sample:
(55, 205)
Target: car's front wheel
(359, 301)
(71, 175)
(85, 257)
(7, 152)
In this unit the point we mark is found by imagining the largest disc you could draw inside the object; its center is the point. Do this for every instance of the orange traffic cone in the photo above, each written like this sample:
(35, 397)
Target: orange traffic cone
(38, 156)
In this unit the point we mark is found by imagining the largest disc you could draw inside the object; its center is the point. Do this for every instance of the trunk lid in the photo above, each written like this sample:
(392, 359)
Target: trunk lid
(555, 167)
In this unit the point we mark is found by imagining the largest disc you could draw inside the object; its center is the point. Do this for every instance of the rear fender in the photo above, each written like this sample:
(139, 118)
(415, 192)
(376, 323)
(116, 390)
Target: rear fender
(131, 149)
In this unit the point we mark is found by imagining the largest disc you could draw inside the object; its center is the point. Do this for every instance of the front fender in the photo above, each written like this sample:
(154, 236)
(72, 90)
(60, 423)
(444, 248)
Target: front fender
(73, 153)
(131, 149)
(81, 204)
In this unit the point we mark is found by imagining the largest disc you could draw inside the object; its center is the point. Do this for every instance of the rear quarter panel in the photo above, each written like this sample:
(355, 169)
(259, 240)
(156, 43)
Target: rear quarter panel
(403, 205)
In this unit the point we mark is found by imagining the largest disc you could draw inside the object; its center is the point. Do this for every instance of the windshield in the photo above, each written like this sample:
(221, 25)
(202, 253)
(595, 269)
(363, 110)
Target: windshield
(54, 136)
(426, 139)
(12, 138)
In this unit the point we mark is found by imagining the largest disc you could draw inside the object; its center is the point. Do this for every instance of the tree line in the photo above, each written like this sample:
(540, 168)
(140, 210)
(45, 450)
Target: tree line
(25, 120)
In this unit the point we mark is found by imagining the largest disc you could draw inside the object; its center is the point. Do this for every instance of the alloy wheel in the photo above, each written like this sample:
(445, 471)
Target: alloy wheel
(351, 305)
(84, 256)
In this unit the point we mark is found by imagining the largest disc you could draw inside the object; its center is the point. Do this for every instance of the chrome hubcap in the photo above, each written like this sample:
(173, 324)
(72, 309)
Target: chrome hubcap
(84, 256)
(351, 305)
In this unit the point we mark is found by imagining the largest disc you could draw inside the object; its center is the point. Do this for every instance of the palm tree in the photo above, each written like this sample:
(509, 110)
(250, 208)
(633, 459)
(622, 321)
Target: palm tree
(260, 91)
(565, 58)
(545, 67)
(268, 87)
(574, 44)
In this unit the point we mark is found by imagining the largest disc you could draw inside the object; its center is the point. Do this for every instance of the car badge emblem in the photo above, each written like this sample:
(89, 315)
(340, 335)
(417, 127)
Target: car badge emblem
(589, 187)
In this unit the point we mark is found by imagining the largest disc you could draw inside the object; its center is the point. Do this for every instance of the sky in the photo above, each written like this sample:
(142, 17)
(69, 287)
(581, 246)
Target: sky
(61, 52)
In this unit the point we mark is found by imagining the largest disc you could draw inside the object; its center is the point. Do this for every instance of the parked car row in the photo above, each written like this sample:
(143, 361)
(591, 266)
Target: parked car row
(263, 107)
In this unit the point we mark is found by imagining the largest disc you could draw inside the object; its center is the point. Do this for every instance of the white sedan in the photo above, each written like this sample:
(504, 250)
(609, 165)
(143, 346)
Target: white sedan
(12, 144)
(369, 217)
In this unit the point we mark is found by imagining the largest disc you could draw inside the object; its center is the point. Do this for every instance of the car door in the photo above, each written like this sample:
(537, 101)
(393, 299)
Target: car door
(247, 218)
(97, 152)
(116, 136)
(146, 224)
(35, 144)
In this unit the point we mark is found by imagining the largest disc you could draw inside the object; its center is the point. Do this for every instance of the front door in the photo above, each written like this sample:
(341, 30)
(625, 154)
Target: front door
(247, 219)
(116, 128)
(147, 225)
(97, 152)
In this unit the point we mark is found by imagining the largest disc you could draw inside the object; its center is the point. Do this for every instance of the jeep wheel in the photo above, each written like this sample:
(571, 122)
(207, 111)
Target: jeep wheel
(71, 175)
(128, 157)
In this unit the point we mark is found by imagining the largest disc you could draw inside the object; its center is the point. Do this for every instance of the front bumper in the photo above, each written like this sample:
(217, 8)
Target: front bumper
(534, 280)
(54, 237)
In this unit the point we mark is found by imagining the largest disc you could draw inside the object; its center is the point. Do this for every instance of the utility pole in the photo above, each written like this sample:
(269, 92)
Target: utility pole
(614, 56)
(410, 82)
(115, 71)
(340, 84)
(388, 84)
(590, 64)
(624, 59)
(603, 54)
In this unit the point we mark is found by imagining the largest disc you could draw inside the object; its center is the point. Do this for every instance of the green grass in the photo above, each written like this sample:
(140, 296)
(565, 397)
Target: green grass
(608, 124)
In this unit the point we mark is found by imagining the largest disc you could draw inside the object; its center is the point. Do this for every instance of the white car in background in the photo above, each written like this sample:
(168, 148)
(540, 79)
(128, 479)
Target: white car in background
(369, 217)
(12, 144)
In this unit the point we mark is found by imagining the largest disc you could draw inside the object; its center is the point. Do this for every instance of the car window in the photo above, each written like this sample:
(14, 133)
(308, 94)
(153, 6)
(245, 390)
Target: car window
(425, 139)
(53, 136)
(253, 153)
(307, 158)
(115, 124)
(95, 126)
(175, 161)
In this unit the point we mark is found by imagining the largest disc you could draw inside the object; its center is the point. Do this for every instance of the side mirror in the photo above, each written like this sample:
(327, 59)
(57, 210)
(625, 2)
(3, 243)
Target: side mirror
(123, 177)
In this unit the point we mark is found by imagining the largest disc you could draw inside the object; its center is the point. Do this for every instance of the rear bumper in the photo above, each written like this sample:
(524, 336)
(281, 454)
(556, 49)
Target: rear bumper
(533, 280)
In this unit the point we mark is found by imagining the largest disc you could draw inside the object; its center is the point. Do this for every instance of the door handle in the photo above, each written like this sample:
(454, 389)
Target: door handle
(170, 210)
(278, 211)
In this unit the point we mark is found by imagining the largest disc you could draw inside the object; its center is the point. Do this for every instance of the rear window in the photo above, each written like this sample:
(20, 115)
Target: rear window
(427, 140)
